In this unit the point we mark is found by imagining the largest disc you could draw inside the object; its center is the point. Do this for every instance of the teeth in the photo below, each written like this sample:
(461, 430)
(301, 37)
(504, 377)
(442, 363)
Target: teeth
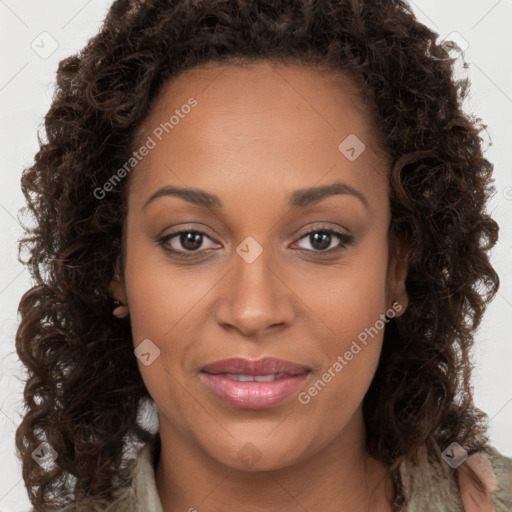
(265, 378)
(251, 378)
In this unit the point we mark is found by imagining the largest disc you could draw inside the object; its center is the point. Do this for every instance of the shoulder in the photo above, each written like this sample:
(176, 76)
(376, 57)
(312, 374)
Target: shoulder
(142, 495)
(495, 472)
(499, 480)
(436, 486)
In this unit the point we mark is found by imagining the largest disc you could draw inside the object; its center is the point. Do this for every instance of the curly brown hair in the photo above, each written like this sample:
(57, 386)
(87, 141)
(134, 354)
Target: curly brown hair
(84, 389)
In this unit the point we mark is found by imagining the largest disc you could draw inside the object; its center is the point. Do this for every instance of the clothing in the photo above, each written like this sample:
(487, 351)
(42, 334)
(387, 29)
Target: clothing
(429, 490)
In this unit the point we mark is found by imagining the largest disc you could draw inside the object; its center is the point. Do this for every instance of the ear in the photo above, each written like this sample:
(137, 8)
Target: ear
(117, 285)
(397, 274)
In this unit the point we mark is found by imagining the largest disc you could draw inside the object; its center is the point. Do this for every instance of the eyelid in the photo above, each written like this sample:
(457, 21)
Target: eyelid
(345, 239)
(163, 239)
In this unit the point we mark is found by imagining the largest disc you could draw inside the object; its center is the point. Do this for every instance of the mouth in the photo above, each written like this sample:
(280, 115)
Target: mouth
(253, 378)
(266, 367)
(250, 384)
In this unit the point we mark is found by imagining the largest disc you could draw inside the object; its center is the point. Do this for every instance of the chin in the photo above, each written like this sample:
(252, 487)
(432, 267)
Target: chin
(253, 455)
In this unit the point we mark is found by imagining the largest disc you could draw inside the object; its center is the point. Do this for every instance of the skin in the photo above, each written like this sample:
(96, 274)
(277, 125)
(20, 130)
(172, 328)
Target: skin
(258, 133)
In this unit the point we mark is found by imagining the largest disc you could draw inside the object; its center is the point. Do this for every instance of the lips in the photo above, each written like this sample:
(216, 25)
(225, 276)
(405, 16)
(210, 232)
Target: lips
(262, 367)
(254, 384)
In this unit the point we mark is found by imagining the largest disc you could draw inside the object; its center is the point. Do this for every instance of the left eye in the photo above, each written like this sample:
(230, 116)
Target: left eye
(322, 239)
(191, 241)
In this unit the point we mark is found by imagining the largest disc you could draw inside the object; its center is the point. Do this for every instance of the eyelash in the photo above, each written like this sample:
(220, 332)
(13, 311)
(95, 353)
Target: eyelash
(345, 240)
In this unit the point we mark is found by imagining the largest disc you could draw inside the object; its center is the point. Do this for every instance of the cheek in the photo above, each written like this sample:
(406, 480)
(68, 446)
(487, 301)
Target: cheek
(350, 358)
(351, 306)
(162, 296)
(157, 301)
(355, 324)
(349, 298)
(166, 304)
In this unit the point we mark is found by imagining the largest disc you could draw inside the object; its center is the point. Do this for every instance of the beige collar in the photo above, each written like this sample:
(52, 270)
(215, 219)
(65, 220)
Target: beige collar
(433, 489)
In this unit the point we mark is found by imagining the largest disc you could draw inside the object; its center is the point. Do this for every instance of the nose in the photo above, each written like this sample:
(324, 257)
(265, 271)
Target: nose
(255, 297)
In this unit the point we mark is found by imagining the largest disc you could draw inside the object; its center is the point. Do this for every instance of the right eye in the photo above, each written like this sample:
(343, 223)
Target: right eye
(183, 242)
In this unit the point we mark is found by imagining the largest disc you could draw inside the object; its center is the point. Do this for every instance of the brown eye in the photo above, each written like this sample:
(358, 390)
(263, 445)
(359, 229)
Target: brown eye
(321, 240)
(183, 241)
(190, 240)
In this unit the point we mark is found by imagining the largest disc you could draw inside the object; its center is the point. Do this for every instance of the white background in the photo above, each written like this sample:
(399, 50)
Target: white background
(26, 80)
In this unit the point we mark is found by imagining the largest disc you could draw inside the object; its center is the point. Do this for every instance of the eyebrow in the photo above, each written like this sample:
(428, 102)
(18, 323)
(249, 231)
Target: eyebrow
(299, 198)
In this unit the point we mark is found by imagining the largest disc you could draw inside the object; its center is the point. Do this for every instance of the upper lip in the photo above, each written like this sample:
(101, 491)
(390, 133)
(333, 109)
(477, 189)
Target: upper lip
(265, 366)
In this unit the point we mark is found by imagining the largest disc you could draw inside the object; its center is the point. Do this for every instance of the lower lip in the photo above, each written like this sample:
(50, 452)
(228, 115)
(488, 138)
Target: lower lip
(253, 395)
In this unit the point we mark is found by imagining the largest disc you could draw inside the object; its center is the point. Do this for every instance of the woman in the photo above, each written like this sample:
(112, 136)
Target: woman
(269, 220)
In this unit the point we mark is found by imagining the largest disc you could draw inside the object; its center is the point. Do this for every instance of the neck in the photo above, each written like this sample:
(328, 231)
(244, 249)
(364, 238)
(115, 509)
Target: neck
(341, 476)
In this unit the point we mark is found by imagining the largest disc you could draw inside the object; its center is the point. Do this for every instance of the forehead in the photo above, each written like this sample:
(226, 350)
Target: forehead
(236, 86)
(264, 117)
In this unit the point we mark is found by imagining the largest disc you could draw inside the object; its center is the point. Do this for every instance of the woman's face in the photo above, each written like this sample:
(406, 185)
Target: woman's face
(248, 281)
